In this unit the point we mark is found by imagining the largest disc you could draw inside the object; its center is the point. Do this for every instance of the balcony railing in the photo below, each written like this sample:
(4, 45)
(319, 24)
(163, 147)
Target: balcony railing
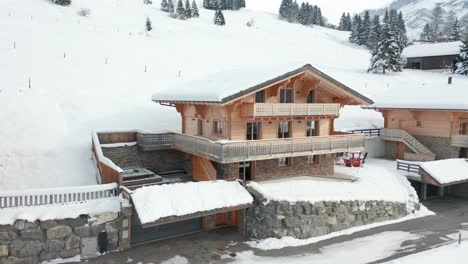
(236, 151)
(460, 141)
(267, 110)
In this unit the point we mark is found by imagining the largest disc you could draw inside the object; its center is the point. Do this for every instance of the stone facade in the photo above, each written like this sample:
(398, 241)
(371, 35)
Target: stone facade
(226, 171)
(157, 160)
(270, 169)
(303, 220)
(441, 146)
(33, 242)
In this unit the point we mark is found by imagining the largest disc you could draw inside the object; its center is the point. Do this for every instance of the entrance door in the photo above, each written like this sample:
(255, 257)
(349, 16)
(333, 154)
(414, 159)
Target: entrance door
(253, 131)
(463, 153)
(246, 170)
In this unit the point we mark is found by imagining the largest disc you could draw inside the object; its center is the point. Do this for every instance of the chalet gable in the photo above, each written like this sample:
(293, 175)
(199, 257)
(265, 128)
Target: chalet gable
(305, 78)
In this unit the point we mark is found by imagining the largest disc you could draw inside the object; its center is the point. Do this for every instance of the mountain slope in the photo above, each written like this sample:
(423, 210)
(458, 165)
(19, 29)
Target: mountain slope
(419, 12)
(88, 73)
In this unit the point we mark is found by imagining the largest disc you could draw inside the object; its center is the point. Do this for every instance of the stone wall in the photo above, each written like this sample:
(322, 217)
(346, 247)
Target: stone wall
(304, 220)
(269, 169)
(441, 146)
(33, 242)
(157, 160)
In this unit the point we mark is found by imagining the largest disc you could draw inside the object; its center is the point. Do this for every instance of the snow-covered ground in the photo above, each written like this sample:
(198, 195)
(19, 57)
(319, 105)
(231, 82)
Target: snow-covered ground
(357, 251)
(377, 180)
(64, 75)
(453, 253)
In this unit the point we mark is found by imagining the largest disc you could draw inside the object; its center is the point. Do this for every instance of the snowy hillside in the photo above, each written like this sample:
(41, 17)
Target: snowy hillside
(419, 12)
(88, 73)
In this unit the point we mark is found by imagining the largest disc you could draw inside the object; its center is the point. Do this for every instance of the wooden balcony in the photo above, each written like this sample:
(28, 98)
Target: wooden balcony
(236, 151)
(460, 141)
(280, 110)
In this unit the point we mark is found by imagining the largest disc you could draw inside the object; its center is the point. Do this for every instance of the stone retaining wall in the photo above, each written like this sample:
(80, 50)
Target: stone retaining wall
(304, 220)
(33, 242)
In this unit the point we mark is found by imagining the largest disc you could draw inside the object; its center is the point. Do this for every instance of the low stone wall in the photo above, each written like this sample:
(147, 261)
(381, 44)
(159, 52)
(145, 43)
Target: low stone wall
(304, 220)
(33, 242)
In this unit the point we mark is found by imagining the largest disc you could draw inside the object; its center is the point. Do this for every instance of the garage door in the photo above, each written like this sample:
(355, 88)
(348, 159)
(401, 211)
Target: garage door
(141, 234)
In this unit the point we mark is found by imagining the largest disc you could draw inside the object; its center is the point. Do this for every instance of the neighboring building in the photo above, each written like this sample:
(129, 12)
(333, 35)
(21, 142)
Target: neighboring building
(238, 126)
(432, 56)
(425, 133)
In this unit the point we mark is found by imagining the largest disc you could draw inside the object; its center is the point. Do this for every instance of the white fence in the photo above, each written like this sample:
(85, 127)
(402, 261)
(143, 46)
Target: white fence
(9, 199)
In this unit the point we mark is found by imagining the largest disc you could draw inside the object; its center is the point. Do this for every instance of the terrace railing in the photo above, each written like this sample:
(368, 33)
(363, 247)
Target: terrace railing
(291, 109)
(50, 196)
(368, 132)
(236, 151)
(421, 152)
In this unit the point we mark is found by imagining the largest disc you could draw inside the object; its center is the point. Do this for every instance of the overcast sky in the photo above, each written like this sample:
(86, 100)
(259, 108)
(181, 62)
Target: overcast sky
(332, 9)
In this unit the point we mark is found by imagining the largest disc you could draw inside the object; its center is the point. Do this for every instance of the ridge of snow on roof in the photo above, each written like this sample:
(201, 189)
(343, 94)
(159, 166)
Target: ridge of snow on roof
(448, 170)
(227, 85)
(432, 49)
(179, 199)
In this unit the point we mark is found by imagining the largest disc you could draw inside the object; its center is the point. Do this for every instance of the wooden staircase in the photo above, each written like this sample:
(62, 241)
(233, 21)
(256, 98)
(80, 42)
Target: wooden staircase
(421, 152)
(203, 169)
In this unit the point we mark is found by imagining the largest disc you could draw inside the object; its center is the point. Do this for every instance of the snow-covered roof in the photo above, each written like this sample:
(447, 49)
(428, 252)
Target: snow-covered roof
(447, 171)
(432, 49)
(229, 85)
(180, 199)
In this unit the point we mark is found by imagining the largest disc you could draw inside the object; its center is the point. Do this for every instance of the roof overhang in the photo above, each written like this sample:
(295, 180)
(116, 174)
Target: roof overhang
(363, 100)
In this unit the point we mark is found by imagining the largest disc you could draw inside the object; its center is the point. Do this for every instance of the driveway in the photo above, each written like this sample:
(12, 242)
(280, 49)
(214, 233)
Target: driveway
(209, 247)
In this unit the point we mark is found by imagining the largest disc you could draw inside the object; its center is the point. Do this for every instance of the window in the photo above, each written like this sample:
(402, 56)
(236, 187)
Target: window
(464, 129)
(284, 162)
(284, 129)
(286, 96)
(200, 127)
(312, 128)
(419, 123)
(313, 159)
(245, 171)
(218, 127)
(253, 131)
(260, 97)
(311, 97)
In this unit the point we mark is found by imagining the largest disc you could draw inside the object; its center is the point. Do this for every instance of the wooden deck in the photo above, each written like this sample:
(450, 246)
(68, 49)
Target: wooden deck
(279, 110)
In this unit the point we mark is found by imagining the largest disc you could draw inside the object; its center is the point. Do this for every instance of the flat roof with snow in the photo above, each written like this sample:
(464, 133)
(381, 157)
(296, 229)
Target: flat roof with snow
(166, 203)
(432, 49)
(448, 171)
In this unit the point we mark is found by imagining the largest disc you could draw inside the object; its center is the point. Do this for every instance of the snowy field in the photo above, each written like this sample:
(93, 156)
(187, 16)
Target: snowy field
(64, 75)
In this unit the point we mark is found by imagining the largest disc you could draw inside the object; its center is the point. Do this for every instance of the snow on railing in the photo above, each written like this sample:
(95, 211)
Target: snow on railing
(100, 155)
(62, 195)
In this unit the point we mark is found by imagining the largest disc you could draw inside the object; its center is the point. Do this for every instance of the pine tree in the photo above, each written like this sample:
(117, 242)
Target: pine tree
(349, 22)
(462, 60)
(180, 10)
(188, 11)
(293, 12)
(319, 19)
(355, 29)
(453, 30)
(303, 15)
(375, 33)
(365, 29)
(148, 25)
(312, 15)
(194, 9)
(219, 18)
(401, 32)
(170, 6)
(387, 55)
(284, 8)
(426, 34)
(164, 5)
(342, 24)
(437, 22)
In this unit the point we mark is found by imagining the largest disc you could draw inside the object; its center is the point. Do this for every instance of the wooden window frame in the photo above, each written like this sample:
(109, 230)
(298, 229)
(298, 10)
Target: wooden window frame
(216, 124)
(262, 93)
(287, 162)
(315, 129)
(199, 127)
(281, 93)
(259, 130)
(313, 159)
(419, 123)
(313, 93)
(280, 127)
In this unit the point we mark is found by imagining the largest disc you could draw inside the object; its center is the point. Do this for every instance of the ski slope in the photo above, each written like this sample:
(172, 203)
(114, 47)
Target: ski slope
(64, 75)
